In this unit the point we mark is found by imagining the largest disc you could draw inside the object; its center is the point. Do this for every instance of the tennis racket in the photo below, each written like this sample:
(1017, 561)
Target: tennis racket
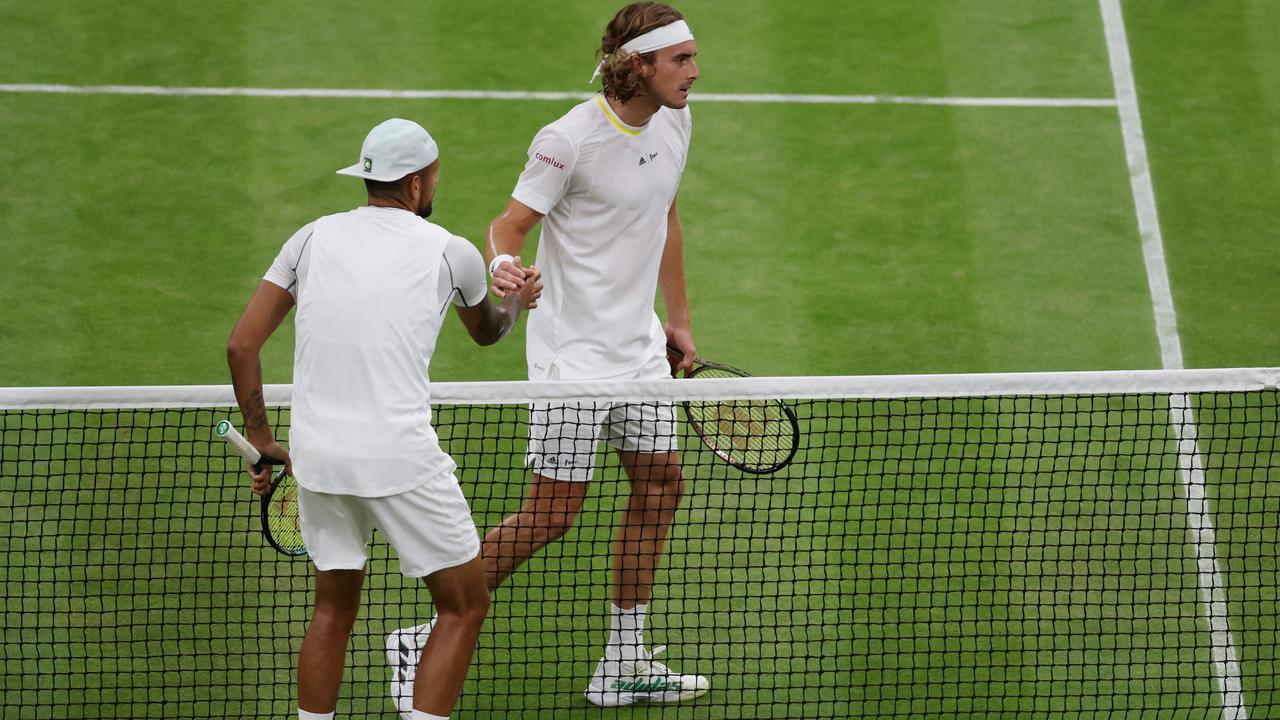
(758, 436)
(279, 505)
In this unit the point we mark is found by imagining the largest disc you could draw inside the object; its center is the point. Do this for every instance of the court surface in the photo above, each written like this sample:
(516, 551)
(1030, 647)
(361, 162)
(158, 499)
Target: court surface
(873, 188)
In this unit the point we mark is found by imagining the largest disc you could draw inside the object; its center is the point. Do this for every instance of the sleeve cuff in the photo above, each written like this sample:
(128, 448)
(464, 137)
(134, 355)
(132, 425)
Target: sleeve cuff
(532, 200)
(290, 286)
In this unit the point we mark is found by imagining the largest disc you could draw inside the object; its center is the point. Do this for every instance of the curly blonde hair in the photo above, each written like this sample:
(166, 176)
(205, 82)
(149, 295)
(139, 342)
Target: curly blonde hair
(620, 77)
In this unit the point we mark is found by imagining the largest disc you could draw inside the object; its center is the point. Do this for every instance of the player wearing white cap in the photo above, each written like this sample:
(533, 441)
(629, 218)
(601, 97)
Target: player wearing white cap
(602, 180)
(372, 287)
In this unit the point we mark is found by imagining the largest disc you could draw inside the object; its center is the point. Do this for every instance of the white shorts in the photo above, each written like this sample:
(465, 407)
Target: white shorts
(563, 437)
(430, 527)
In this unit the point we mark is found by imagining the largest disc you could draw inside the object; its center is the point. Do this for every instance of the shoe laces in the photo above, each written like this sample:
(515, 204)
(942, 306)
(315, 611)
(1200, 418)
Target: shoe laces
(648, 666)
(408, 652)
(419, 636)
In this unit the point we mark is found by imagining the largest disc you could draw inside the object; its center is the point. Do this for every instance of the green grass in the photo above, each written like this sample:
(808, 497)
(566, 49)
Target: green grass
(1239, 437)
(959, 558)
(910, 239)
(1211, 120)
(954, 575)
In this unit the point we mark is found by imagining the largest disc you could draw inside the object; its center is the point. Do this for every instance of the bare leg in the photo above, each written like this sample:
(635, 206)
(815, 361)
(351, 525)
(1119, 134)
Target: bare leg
(324, 647)
(627, 674)
(461, 605)
(546, 515)
(656, 490)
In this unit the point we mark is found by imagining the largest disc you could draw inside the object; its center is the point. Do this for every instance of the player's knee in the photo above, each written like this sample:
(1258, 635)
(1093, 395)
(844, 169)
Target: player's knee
(478, 600)
(551, 519)
(672, 474)
(557, 523)
(474, 611)
(469, 608)
(481, 609)
(656, 468)
(669, 481)
(662, 491)
(335, 615)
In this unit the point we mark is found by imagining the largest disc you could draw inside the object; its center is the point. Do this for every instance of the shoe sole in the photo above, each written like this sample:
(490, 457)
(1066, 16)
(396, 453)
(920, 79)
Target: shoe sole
(620, 699)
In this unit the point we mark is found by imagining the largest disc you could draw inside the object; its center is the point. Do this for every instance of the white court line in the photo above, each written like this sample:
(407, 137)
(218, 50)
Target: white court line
(513, 95)
(1181, 415)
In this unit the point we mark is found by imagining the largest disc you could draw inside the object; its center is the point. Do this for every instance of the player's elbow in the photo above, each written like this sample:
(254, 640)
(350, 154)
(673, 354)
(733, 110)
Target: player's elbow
(487, 335)
(492, 328)
(239, 350)
(485, 323)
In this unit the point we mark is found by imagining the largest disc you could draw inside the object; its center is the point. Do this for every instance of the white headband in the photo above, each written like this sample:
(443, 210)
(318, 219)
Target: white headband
(656, 39)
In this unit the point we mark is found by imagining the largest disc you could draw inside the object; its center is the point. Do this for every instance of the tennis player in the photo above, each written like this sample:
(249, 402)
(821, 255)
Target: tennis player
(372, 287)
(602, 180)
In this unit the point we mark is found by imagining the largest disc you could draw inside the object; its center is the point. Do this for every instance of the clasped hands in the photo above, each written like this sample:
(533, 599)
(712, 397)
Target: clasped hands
(510, 276)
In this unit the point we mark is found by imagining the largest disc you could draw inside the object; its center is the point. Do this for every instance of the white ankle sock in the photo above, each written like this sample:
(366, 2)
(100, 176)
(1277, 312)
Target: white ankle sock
(626, 633)
(304, 715)
(420, 715)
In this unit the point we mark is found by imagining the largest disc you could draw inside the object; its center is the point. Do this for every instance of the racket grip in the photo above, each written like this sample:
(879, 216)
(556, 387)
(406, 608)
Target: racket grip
(228, 432)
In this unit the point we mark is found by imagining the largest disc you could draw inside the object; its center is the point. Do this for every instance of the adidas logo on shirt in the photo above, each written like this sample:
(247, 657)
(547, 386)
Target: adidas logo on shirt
(651, 157)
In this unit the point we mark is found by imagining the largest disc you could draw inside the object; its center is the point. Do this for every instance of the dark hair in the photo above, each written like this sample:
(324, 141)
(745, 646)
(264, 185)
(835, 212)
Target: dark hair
(391, 189)
(621, 81)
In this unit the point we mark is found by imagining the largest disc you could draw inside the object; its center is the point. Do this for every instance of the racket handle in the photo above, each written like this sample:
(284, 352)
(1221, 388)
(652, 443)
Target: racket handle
(228, 432)
(673, 350)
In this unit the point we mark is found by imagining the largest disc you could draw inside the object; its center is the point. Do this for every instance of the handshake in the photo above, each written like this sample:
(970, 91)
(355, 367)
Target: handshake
(509, 276)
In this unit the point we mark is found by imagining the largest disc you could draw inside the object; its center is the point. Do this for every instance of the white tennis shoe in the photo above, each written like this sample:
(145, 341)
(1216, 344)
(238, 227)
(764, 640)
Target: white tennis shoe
(404, 650)
(626, 682)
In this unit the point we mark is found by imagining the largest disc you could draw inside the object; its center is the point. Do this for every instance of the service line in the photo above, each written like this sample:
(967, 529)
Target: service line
(356, 93)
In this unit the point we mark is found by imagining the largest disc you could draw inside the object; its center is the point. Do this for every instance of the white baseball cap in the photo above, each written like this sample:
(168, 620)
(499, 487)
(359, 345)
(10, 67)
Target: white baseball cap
(392, 150)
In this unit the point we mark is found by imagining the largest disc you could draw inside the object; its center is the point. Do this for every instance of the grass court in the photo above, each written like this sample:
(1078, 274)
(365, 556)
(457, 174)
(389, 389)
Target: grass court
(926, 234)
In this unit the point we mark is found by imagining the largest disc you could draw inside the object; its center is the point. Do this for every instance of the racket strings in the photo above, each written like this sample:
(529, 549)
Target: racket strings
(757, 435)
(282, 516)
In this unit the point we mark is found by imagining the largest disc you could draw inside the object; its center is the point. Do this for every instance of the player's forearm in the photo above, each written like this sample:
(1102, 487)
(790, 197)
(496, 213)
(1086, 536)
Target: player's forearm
(504, 243)
(267, 308)
(675, 297)
(676, 301)
(504, 238)
(510, 310)
(246, 380)
(499, 320)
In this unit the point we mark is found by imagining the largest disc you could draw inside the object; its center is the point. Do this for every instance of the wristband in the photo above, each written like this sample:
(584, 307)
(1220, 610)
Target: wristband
(498, 260)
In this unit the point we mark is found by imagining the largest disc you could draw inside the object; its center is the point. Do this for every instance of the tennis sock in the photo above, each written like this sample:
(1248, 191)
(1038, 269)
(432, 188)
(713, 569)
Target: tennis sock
(304, 715)
(420, 715)
(626, 633)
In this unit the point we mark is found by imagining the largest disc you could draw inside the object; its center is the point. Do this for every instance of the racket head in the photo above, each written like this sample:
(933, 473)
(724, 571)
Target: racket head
(755, 436)
(280, 516)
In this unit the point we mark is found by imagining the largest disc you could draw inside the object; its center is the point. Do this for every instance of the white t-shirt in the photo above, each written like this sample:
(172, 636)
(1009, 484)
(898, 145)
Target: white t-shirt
(372, 286)
(605, 189)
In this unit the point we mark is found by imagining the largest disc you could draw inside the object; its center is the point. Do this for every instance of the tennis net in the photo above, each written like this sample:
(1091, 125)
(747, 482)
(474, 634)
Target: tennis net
(1077, 545)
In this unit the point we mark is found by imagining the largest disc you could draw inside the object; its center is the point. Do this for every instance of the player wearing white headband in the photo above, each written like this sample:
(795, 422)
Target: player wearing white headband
(602, 180)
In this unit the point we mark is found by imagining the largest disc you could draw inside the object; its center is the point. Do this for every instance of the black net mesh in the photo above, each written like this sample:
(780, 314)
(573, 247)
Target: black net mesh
(1029, 557)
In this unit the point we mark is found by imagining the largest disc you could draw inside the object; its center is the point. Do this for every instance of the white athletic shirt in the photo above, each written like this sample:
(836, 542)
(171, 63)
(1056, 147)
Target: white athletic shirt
(373, 286)
(605, 189)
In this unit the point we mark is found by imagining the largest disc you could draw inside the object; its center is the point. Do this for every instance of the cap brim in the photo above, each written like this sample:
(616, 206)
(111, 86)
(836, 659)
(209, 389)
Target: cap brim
(353, 171)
